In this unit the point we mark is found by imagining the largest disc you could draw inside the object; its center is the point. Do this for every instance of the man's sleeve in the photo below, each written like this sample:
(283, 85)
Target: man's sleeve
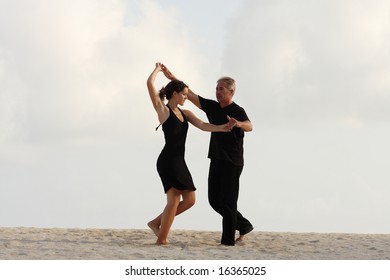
(241, 115)
(205, 104)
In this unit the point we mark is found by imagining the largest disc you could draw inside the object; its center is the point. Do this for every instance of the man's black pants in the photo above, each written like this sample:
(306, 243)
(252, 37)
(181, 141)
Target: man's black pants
(224, 184)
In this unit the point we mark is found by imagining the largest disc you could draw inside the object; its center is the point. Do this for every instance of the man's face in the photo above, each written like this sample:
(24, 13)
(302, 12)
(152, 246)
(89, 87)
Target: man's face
(223, 94)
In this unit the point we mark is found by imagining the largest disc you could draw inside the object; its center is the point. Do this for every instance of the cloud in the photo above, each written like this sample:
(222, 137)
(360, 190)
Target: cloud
(76, 70)
(75, 115)
(321, 62)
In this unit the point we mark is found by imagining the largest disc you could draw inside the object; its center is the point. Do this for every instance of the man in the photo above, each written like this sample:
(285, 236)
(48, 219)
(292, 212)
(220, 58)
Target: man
(226, 156)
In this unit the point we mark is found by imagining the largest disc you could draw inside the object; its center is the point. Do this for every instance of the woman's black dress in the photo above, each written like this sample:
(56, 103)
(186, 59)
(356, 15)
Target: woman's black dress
(171, 165)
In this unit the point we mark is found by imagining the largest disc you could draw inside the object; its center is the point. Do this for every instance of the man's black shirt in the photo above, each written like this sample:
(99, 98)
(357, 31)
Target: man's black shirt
(225, 145)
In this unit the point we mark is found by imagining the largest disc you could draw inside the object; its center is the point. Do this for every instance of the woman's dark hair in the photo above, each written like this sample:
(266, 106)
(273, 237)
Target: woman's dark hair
(172, 86)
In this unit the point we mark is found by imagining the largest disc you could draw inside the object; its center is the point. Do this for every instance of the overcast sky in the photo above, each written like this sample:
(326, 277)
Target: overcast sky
(78, 145)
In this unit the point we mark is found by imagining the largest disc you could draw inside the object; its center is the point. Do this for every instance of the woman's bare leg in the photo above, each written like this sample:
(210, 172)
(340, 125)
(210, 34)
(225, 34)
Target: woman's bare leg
(187, 202)
(168, 215)
(154, 224)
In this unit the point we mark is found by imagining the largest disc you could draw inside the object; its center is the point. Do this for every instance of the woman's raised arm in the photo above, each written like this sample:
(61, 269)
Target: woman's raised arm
(158, 104)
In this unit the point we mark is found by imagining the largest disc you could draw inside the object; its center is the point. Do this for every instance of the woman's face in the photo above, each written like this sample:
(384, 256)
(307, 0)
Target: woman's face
(181, 97)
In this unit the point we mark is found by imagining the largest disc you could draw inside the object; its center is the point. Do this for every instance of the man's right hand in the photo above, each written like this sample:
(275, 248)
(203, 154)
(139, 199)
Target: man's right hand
(167, 73)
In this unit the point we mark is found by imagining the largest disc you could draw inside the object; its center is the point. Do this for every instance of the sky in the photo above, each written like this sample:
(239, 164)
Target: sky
(78, 145)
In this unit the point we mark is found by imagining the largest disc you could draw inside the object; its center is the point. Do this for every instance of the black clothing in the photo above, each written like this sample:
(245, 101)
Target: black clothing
(227, 160)
(171, 165)
(225, 146)
(223, 191)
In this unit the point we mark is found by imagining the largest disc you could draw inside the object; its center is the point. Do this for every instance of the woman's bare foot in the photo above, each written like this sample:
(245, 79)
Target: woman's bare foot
(154, 228)
(162, 242)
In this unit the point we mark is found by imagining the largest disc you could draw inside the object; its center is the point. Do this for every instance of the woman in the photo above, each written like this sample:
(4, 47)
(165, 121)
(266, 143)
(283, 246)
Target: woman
(171, 166)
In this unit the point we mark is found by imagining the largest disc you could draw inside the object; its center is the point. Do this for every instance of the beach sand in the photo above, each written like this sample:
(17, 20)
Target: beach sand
(133, 244)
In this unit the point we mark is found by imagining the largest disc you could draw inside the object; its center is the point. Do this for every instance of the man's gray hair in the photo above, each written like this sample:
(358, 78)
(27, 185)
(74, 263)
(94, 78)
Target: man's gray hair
(230, 83)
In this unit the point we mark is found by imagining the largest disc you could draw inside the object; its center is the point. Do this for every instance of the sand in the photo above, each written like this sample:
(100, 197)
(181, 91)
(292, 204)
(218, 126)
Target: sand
(133, 244)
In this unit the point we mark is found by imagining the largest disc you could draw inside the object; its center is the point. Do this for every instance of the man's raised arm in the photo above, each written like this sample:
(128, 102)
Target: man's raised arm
(193, 97)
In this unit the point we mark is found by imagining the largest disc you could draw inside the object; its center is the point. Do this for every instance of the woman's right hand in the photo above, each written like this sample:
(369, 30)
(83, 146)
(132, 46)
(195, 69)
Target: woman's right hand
(159, 66)
(227, 127)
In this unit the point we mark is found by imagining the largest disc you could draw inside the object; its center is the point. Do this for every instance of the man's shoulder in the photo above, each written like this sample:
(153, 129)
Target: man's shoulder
(207, 99)
(236, 106)
(238, 111)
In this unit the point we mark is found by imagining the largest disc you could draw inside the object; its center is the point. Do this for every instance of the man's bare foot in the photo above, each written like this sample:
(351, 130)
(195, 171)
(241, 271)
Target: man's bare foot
(241, 237)
(154, 228)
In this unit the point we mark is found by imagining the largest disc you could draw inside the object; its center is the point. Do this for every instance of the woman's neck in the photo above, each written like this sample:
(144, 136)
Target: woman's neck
(172, 104)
